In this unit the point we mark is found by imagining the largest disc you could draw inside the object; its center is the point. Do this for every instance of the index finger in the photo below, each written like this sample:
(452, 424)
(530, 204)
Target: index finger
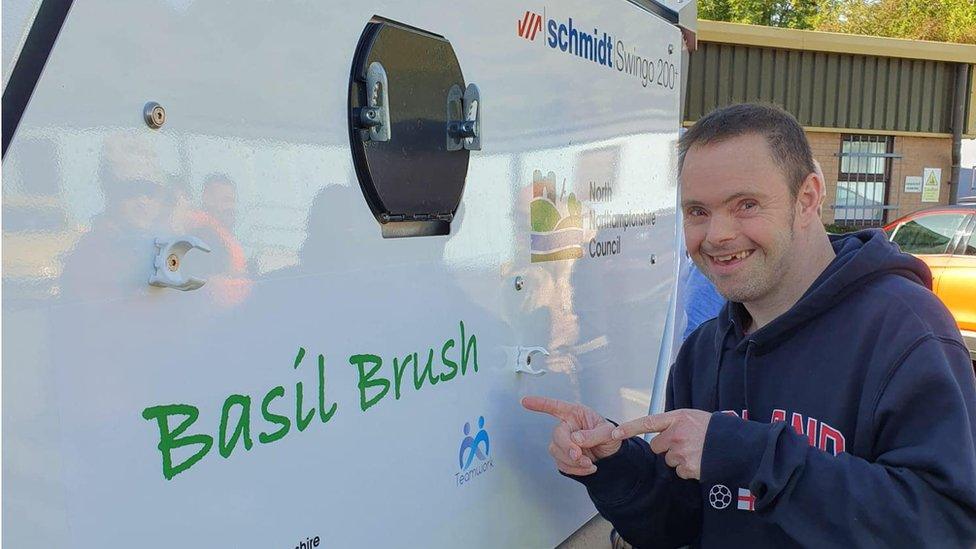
(647, 424)
(588, 438)
(556, 408)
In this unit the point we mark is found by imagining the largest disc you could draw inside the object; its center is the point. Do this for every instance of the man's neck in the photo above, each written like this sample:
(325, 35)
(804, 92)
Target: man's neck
(793, 285)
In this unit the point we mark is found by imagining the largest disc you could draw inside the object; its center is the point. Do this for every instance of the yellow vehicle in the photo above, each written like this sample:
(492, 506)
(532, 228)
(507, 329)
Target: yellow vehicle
(943, 238)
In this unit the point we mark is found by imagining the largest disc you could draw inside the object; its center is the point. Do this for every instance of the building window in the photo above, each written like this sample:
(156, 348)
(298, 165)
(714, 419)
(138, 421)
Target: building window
(862, 184)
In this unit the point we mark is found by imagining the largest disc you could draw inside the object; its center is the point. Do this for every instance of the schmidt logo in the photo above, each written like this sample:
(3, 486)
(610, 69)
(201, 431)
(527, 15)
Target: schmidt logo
(472, 448)
(568, 36)
(529, 25)
(588, 42)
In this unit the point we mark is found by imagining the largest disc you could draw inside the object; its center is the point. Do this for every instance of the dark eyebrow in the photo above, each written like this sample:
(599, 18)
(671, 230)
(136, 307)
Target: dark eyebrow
(733, 198)
(740, 195)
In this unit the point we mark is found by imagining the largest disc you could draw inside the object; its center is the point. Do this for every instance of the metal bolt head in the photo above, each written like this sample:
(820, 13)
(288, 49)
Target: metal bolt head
(670, 48)
(173, 262)
(653, 218)
(155, 115)
(369, 117)
(653, 259)
(519, 283)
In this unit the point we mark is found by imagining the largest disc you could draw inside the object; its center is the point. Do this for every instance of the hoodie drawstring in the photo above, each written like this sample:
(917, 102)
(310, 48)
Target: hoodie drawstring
(746, 414)
(718, 371)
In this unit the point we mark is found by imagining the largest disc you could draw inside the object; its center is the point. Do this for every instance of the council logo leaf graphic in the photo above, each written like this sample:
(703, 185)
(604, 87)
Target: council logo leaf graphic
(557, 221)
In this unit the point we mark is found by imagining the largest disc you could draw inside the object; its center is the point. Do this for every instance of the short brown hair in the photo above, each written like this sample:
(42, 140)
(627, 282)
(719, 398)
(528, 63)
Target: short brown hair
(786, 139)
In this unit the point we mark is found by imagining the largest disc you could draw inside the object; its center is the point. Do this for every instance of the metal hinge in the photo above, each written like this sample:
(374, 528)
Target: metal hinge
(388, 218)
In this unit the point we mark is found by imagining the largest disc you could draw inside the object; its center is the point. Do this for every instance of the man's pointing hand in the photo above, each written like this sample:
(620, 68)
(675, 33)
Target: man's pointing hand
(581, 437)
(681, 438)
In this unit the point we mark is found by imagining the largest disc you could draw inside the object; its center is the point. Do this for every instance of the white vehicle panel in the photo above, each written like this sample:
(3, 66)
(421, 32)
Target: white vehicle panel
(258, 92)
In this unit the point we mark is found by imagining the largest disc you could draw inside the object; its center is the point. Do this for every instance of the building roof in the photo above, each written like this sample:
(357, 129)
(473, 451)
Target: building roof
(832, 81)
(796, 39)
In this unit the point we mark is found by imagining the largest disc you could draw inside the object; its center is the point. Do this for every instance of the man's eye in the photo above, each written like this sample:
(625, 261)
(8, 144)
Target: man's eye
(749, 204)
(696, 212)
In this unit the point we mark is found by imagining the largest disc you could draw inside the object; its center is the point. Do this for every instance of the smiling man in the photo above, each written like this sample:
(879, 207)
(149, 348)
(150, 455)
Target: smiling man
(830, 404)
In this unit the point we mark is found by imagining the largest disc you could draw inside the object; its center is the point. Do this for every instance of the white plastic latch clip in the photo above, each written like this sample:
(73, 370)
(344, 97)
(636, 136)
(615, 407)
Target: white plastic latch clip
(523, 360)
(168, 262)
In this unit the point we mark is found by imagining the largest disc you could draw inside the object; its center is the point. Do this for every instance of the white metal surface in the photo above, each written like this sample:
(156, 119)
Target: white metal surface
(257, 91)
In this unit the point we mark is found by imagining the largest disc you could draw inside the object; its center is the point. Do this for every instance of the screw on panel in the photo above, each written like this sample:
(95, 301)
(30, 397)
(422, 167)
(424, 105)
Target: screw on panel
(370, 117)
(173, 262)
(463, 129)
(653, 259)
(653, 218)
(670, 48)
(519, 283)
(155, 115)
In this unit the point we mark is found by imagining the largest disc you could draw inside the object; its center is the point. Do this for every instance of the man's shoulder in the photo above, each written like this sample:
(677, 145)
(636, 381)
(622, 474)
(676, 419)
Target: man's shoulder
(895, 297)
(701, 344)
(705, 332)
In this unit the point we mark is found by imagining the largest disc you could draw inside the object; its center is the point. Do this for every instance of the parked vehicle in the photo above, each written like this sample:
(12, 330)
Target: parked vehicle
(943, 238)
(270, 282)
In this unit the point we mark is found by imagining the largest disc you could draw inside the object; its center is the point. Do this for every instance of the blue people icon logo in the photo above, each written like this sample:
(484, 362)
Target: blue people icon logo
(473, 447)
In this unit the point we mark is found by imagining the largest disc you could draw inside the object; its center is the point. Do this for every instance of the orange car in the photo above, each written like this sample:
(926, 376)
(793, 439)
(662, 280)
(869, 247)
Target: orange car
(943, 237)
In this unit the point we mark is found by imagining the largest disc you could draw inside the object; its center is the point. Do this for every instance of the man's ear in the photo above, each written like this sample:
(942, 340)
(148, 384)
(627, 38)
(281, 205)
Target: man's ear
(810, 197)
(818, 169)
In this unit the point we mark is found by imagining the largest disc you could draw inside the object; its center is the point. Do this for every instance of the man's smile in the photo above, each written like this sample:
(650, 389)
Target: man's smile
(728, 260)
(726, 264)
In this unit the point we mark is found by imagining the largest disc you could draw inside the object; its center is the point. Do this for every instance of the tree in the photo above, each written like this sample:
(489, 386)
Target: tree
(796, 14)
(939, 20)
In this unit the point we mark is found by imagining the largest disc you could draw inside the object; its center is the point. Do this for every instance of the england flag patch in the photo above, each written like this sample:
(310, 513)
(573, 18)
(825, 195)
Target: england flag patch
(746, 501)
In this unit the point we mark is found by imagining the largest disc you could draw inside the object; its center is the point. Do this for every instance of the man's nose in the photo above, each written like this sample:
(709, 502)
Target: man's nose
(721, 228)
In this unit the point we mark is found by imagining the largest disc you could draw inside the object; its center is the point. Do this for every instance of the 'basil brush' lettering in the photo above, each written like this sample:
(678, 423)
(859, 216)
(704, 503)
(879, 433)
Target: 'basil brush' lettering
(234, 430)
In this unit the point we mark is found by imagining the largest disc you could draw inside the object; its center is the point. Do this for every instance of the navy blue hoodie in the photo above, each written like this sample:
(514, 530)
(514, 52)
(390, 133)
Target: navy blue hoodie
(848, 421)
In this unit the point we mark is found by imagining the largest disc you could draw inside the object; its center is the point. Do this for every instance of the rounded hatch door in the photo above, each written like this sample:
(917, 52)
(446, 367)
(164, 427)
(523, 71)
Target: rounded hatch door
(406, 89)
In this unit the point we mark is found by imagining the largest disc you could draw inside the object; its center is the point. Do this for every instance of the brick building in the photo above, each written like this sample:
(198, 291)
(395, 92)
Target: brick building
(883, 115)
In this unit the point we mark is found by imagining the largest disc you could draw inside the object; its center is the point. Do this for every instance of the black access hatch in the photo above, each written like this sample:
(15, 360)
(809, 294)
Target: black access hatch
(412, 123)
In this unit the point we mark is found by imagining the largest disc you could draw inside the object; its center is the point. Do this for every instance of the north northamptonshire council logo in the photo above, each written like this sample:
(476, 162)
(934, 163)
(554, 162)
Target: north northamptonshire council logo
(473, 447)
(557, 221)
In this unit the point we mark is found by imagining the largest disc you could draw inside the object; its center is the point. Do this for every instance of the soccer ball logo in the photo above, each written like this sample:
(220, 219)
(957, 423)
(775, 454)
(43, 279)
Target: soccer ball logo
(720, 497)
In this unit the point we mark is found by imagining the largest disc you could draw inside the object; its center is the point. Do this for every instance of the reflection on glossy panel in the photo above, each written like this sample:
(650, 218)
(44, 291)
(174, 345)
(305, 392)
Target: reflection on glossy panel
(254, 161)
